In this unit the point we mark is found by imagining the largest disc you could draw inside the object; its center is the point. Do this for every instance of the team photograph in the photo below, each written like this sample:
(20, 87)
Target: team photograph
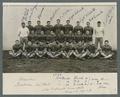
(71, 39)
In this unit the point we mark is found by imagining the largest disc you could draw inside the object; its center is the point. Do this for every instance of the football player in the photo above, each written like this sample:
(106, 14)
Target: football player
(106, 51)
(29, 50)
(17, 49)
(39, 31)
(58, 30)
(78, 32)
(80, 50)
(68, 30)
(88, 33)
(41, 49)
(92, 50)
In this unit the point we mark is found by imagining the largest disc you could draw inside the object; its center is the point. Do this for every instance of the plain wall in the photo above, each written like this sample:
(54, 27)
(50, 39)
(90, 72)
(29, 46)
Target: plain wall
(13, 15)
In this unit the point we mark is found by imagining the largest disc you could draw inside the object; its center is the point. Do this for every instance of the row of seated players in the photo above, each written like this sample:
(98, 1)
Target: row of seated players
(56, 49)
(59, 31)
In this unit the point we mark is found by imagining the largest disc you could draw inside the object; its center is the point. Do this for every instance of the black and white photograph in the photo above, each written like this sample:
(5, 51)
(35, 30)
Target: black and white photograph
(56, 38)
(60, 48)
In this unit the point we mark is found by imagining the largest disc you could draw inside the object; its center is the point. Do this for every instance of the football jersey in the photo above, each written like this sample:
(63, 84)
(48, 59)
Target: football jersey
(89, 29)
(29, 48)
(68, 28)
(38, 29)
(17, 47)
(58, 28)
(92, 48)
(79, 48)
(31, 28)
(48, 29)
(106, 48)
(78, 28)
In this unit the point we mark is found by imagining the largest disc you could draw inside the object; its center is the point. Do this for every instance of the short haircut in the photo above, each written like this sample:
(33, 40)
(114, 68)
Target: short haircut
(58, 19)
(88, 22)
(23, 23)
(106, 41)
(68, 20)
(38, 20)
(99, 22)
(16, 40)
(48, 21)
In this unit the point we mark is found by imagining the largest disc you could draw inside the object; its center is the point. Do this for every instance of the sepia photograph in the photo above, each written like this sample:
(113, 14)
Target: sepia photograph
(59, 38)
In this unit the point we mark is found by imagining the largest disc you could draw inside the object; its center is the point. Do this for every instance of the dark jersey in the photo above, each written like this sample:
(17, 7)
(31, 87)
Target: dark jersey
(89, 29)
(107, 48)
(92, 48)
(79, 48)
(41, 47)
(48, 29)
(29, 48)
(78, 28)
(67, 48)
(38, 29)
(17, 47)
(31, 28)
(58, 28)
(68, 28)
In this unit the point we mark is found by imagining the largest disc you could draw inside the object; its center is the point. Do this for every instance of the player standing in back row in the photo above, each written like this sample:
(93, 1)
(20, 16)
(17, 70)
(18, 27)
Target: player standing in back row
(88, 33)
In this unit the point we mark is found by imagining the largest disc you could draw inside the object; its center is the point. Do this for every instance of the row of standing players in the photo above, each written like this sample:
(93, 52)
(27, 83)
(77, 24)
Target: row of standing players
(60, 32)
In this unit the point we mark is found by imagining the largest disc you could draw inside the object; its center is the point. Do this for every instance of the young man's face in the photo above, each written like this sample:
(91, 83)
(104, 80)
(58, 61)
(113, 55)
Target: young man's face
(23, 25)
(68, 22)
(17, 42)
(88, 23)
(48, 23)
(38, 22)
(78, 23)
(58, 21)
(98, 24)
(29, 22)
(106, 43)
(29, 43)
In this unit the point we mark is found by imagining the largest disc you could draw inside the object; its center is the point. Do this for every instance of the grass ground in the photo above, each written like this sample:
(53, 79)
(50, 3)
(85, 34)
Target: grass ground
(35, 65)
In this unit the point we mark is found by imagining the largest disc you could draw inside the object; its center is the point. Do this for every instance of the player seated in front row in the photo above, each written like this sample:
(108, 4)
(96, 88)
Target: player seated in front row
(92, 51)
(53, 49)
(29, 50)
(106, 51)
(17, 49)
(41, 49)
(80, 51)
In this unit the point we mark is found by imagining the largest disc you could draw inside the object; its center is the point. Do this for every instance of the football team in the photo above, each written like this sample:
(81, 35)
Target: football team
(61, 41)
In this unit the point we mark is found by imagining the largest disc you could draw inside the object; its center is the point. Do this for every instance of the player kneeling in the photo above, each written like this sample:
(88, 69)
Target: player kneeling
(29, 50)
(41, 49)
(106, 51)
(92, 51)
(17, 49)
(80, 51)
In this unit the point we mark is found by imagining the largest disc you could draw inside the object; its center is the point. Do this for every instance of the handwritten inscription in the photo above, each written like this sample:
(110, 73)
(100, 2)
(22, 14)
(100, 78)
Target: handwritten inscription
(89, 15)
(109, 15)
(67, 84)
